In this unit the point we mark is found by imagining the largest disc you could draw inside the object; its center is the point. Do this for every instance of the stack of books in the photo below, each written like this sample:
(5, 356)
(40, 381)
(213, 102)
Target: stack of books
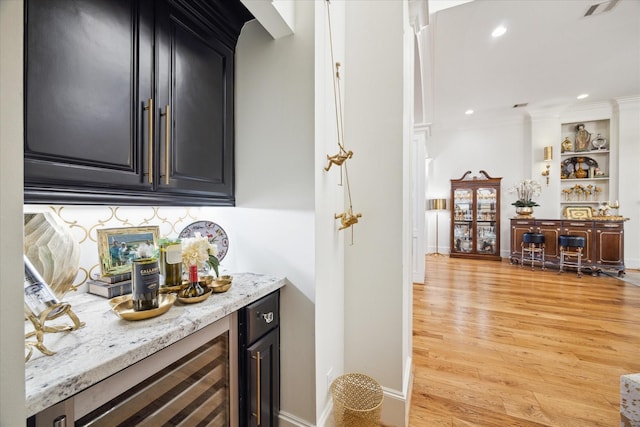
(110, 286)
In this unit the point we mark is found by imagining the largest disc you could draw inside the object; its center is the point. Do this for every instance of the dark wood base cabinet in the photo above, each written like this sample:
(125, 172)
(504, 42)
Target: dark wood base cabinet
(259, 362)
(604, 241)
(130, 102)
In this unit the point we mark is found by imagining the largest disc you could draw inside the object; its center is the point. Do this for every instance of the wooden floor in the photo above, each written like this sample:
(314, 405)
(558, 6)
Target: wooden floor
(498, 345)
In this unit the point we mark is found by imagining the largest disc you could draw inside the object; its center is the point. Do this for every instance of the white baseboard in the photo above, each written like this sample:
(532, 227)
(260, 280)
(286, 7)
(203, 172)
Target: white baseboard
(395, 409)
(326, 418)
(395, 406)
(288, 420)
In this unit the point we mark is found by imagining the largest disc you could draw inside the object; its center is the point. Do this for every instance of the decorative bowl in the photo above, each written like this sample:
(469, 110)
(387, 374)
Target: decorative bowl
(221, 284)
(192, 300)
(124, 309)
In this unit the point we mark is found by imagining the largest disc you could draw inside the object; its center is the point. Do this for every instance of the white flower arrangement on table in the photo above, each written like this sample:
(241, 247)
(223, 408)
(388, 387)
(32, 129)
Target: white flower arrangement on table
(526, 189)
(198, 251)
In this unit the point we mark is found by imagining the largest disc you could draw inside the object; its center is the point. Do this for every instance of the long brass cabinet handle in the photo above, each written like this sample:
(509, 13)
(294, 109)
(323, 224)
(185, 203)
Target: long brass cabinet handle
(258, 409)
(150, 132)
(167, 139)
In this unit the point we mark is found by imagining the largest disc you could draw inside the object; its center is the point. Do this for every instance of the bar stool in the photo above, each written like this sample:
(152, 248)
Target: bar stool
(571, 247)
(533, 245)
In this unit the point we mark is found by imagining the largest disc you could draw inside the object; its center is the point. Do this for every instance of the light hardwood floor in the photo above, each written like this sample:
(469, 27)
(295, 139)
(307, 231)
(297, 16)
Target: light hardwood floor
(499, 345)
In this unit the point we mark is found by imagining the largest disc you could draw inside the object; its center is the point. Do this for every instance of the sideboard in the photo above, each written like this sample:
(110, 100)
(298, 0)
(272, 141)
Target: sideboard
(604, 248)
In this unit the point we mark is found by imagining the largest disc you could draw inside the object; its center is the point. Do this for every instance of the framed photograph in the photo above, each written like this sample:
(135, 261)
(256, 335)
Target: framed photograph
(578, 212)
(118, 246)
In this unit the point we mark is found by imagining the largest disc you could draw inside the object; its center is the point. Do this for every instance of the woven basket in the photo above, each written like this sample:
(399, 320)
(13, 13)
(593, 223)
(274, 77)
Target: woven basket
(357, 401)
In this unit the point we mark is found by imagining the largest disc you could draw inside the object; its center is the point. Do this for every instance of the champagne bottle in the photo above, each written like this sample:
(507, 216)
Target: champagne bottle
(145, 282)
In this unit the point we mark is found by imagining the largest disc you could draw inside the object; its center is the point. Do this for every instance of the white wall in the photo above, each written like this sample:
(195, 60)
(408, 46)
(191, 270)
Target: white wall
(376, 129)
(496, 146)
(274, 220)
(330, 199)
(628, 160)
(12, 411)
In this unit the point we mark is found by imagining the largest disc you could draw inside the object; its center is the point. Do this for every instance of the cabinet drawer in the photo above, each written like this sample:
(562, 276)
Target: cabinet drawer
(609, 225)
(262, 316)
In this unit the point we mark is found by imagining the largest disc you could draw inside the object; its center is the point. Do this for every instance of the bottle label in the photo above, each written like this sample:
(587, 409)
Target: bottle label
(145, 277)
(38, 296)
(173, 254)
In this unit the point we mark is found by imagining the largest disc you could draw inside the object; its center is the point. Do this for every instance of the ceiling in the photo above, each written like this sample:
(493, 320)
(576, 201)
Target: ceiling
(550, 54)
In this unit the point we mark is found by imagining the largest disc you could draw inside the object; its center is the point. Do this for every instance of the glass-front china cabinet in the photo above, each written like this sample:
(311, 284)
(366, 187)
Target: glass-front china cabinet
(475, 213)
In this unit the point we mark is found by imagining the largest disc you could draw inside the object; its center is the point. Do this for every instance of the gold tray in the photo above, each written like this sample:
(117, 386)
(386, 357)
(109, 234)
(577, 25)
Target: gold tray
(221, 284)
(192, 300)
(124, 309)
(170, 289)
(220, 288)
(117, 300)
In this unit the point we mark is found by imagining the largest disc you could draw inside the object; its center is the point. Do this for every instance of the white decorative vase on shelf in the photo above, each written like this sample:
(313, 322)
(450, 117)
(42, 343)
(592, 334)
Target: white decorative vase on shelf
(53, 251)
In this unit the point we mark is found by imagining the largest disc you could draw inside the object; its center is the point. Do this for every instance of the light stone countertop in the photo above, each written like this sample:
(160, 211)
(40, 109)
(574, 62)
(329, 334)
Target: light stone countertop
(108, 344)
(630, 400)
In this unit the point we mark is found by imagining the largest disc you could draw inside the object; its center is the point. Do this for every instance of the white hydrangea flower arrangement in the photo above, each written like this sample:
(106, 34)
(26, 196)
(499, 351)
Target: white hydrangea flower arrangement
(198, 251)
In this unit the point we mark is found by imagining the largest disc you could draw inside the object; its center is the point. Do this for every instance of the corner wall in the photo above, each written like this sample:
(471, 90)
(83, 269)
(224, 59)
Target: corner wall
(12, 412)
(274, 220)
(376, 275)
(628, 110)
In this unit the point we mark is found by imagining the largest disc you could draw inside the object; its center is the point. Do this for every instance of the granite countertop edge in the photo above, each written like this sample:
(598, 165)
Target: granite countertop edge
(108, 344)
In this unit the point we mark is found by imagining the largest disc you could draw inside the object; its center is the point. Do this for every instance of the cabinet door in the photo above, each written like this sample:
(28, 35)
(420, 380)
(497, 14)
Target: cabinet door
(583, 229)
(551, 231)
(518, 228)
(462, 231)
(263, 386)
(84, 118)
(195, 102)
(609, 245)
(486, 241)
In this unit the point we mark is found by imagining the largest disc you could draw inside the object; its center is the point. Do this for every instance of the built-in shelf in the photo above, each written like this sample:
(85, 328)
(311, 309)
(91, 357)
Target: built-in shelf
(601, 178)
(596, 186)
(582, 202)
(583, 153)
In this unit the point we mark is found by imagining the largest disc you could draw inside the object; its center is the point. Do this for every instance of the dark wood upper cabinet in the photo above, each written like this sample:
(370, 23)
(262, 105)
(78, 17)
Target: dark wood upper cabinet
(93, 68)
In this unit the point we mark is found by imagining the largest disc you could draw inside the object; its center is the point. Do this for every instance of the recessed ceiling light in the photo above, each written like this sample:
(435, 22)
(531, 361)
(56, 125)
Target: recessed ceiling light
(583, 96)
(499, 31)
(469, 112)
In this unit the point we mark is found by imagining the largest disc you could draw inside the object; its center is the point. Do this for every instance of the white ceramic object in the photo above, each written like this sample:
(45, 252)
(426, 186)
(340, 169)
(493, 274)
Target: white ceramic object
(52, 249)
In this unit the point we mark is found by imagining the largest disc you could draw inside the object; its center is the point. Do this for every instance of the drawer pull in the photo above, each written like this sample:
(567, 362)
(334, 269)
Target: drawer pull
(150, 134)
(268, 317)
(258, 409)
(167, 130)
(612, 226)
(547, 223)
